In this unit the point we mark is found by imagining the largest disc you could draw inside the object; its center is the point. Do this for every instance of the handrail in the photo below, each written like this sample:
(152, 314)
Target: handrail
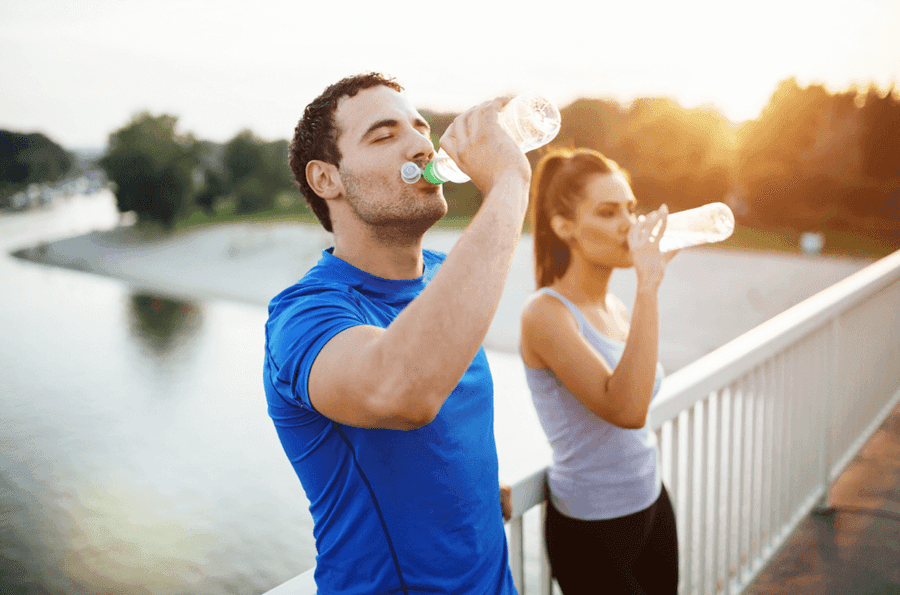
(726, 423)
(743, 353)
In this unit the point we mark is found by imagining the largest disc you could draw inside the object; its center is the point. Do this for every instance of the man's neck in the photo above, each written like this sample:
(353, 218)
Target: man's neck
(390, 256)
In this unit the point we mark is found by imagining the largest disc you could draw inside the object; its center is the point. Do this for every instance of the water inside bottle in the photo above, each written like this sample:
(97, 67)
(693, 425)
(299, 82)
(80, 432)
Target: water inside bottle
(708, 224)
(676, 240)
(531, 121)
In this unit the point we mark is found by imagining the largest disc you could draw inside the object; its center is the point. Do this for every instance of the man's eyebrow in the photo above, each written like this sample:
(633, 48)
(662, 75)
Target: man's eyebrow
(386, 123)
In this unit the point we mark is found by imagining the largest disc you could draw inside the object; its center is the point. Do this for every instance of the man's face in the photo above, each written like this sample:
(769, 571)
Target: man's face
(379, 131)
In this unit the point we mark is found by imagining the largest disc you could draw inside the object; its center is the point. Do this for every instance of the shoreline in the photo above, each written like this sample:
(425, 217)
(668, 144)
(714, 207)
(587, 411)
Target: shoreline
(710, 294)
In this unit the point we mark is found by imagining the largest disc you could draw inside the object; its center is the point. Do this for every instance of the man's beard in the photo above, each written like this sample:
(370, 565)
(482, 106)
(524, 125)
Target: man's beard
(398, 219)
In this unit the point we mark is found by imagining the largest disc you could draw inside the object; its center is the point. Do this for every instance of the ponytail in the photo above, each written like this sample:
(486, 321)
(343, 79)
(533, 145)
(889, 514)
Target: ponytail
(559, 178)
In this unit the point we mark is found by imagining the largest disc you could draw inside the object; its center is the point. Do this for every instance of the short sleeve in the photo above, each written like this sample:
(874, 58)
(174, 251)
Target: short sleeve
(297, 329)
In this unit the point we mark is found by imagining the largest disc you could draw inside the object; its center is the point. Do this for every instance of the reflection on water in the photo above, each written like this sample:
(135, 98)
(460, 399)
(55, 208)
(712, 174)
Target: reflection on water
(162, 324)
(136, 455)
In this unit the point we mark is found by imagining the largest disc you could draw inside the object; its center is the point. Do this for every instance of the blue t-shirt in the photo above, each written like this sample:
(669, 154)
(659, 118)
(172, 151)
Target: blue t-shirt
(394, 511)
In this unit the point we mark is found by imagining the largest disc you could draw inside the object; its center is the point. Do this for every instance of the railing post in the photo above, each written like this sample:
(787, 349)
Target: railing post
(517, 553)
(833, 376)
(545, 572)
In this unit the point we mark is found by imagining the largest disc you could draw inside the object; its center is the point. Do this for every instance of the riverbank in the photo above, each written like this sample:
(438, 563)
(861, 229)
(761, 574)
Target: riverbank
(710, 295)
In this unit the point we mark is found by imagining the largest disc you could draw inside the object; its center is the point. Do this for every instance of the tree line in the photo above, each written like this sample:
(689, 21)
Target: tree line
(812, 159)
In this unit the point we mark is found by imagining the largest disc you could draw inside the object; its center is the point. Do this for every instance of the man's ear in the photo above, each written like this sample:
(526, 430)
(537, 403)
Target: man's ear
(562, 227)
(323, 178)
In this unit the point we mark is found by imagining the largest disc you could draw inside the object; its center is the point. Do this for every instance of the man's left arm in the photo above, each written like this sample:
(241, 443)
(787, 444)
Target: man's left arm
(506, 501)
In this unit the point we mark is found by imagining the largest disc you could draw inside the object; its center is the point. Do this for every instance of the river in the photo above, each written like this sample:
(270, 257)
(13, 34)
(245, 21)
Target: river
(136, 455)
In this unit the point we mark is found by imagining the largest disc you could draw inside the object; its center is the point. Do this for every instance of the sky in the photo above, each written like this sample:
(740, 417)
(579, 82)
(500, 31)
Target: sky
(77, 71)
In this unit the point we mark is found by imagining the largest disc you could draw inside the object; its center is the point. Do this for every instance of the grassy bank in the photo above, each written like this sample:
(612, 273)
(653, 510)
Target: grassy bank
(842, 243)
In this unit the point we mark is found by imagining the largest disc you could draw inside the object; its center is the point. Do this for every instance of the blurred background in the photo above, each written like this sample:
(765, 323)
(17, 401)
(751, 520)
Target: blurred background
(788, 110)
(148, 142)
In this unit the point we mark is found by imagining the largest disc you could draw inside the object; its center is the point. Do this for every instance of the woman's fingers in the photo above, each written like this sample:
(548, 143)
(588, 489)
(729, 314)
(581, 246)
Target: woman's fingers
(664, 219)
(648, 229)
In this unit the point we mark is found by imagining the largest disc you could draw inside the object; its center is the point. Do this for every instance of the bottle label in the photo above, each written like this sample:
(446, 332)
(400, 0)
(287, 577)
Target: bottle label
(430, 176)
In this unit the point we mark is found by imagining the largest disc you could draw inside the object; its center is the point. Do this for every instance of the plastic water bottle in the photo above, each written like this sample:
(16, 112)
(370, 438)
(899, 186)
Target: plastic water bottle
(530, 119)
(703, 225)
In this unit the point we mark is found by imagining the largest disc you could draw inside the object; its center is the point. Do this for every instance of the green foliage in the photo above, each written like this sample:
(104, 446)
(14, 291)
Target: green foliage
(812, 160)
(247, 171)
(151, 166)
(242, 157)
(252, 196)
(214, 187)
(816, 160)
(30, 159)
(593, 124)
(880, 135)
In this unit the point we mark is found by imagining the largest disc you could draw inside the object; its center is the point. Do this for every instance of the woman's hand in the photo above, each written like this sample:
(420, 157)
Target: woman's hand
(643, 241)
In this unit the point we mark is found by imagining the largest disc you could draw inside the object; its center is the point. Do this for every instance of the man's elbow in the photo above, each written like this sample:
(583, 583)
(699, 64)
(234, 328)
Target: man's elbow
(405, 409)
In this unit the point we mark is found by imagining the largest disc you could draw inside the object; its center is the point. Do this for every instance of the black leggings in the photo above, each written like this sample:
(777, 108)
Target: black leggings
(636, 554)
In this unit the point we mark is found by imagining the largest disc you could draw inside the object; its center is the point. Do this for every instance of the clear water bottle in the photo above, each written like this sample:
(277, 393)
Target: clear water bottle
(703, 225)
(530, 119)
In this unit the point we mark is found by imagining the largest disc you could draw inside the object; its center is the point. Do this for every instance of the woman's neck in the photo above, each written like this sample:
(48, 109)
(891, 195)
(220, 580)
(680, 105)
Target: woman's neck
(585, 283)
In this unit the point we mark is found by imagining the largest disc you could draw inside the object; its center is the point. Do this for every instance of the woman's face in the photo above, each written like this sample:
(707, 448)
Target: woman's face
(603, 218)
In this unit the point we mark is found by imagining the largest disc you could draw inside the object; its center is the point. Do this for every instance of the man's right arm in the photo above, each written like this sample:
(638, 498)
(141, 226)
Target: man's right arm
(400, 376)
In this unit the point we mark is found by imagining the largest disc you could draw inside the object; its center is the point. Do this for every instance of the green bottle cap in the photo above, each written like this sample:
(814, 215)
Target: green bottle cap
(430, 176)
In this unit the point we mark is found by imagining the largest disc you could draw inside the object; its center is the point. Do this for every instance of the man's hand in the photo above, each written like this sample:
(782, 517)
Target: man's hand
(506, 501)
(482, 148)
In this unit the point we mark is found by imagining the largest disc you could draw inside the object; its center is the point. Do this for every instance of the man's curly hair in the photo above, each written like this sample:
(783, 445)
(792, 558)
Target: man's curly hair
(316, 134)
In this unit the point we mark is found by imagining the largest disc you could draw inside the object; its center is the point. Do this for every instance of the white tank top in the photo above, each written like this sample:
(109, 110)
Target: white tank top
(599, 470)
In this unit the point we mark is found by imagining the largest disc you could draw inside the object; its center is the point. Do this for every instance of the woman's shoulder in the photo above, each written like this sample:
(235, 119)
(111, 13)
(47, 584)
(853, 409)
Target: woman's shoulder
(545, 316)
(545, 320)
(542, 306)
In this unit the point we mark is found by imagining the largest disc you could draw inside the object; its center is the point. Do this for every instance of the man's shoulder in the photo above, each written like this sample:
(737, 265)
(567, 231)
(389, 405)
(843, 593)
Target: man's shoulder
(311, 301)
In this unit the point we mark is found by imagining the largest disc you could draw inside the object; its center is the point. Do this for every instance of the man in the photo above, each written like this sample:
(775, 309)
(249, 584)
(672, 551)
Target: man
(374, 373)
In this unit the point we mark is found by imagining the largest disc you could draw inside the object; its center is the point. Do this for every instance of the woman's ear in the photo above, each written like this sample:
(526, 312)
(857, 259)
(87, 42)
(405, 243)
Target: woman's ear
(562, 227)
(323, 178)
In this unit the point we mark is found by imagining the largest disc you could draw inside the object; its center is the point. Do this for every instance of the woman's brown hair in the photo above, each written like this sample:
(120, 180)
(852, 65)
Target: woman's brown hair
(556, 187)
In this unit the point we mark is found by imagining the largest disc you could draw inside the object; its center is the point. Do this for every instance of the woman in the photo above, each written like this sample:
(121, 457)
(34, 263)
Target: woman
(609, 525)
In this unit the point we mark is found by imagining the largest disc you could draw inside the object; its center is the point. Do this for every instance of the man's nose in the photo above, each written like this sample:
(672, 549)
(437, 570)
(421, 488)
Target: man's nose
(420, 147)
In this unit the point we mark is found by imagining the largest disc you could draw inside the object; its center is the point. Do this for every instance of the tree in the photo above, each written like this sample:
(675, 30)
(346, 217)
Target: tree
(593, 124)
(151, 166)
(242, 157)
(30, 159)
(214, 187)
(880, 135)
(255, 172)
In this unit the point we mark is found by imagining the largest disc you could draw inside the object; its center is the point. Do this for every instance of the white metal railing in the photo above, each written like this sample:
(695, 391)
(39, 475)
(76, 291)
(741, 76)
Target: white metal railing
(753, 434)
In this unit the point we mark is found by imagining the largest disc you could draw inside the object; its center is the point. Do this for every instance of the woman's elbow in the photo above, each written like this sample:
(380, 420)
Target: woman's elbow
(627, 419)
(635, 422)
